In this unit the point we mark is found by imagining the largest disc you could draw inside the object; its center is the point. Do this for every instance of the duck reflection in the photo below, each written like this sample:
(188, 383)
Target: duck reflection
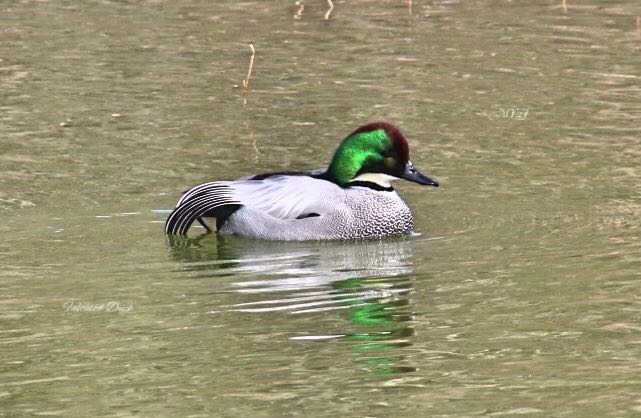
(370, 282)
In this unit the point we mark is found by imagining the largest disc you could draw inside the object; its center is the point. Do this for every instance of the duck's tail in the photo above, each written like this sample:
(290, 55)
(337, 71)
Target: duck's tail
(215, 199)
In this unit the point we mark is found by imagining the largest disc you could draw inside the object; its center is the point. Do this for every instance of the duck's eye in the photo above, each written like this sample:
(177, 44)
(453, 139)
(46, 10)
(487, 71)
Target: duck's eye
(390, 162)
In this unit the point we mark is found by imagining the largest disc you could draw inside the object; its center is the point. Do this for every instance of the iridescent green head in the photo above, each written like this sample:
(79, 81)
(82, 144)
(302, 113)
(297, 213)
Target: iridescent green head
(375, 152)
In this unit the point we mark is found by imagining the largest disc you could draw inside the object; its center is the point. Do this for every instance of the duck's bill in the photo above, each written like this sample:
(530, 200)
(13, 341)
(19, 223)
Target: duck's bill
(412, 174)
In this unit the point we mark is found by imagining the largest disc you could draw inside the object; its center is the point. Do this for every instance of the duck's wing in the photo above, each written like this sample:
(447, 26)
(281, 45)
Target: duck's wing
(290, 196)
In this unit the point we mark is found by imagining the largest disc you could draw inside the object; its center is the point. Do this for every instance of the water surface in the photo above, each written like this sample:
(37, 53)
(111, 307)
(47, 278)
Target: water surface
(519, 296)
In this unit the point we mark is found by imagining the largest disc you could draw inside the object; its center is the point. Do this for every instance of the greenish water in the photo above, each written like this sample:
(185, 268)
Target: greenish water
(520, 296)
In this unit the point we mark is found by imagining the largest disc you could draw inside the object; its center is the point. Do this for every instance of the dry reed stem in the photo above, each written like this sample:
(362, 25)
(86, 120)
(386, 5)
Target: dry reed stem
(249, 74)
(564, 4)
(299, 12)
(409, 6)
(329, 11)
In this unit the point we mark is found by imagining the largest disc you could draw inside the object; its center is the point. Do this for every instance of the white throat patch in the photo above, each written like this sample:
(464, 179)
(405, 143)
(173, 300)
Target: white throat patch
(383, 180)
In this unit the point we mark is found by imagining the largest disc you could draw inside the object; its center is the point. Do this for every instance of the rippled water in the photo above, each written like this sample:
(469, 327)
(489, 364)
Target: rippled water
(520, 296)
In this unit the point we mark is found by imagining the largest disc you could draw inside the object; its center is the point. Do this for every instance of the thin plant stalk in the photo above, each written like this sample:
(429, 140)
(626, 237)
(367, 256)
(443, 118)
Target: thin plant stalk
(249, 74)
(299, 12)
(329, 11)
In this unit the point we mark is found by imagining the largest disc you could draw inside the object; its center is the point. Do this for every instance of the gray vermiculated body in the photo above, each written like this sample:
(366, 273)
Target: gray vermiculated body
(347, 213)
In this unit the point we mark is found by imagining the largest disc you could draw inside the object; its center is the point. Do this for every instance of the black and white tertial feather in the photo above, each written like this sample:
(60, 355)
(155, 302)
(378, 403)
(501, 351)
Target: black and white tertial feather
(209, 199)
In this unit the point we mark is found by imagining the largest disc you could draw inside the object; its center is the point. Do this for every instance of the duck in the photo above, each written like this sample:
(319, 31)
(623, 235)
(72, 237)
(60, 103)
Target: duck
(352, 198)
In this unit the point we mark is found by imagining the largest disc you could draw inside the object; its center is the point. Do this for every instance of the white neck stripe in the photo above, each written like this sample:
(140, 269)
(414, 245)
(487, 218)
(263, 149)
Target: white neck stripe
(383, 180)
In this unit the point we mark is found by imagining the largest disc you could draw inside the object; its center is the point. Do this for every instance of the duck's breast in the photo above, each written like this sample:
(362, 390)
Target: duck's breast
(378, 213)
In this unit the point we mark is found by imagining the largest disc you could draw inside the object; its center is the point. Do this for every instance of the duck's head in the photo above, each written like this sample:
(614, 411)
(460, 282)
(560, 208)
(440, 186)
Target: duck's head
(376, 153)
